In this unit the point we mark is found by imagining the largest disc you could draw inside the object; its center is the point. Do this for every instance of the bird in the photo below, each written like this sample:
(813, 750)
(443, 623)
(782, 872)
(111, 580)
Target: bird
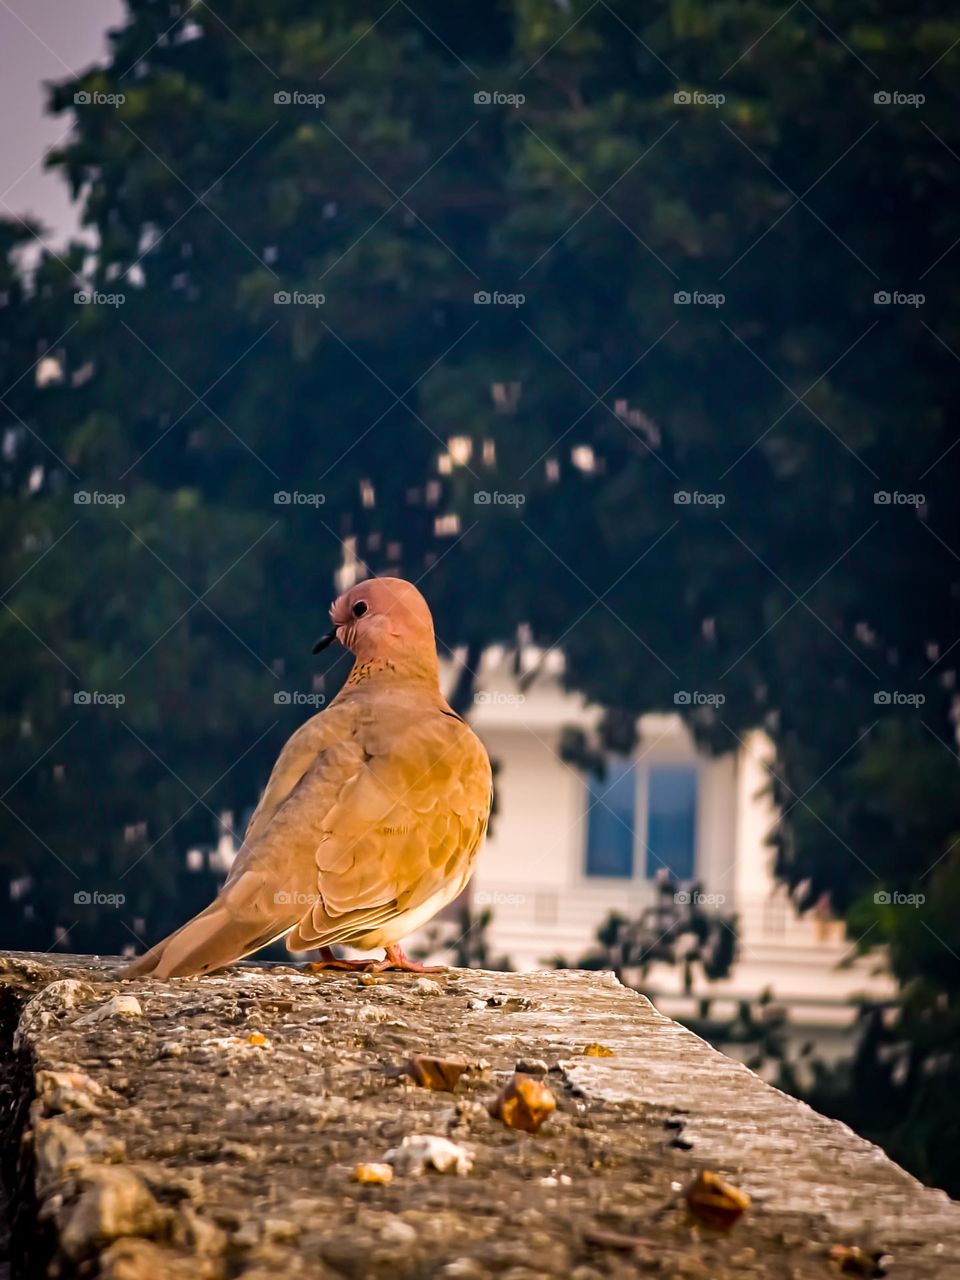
(373, 815)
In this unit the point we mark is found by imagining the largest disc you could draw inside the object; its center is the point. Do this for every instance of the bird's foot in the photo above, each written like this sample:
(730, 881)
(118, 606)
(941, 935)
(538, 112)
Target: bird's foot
(330, 961)
(396, 958)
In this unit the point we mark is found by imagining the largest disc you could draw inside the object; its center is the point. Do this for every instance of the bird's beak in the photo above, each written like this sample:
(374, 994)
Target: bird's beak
(325, 641)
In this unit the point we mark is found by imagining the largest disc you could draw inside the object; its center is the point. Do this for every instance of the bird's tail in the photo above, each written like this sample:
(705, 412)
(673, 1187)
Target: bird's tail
(218, 936)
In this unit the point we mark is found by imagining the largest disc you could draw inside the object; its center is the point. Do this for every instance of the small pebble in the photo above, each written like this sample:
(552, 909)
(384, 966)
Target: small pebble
(421, 1151)
(373, 1174)
(115, 1007)
(371, 1013)
(692, 1268)
(396, 1231)
(280, 1230)
(524, 1103)
(744, 1258)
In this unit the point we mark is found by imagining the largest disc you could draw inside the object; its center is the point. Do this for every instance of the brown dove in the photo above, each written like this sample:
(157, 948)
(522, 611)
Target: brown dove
(373, 815)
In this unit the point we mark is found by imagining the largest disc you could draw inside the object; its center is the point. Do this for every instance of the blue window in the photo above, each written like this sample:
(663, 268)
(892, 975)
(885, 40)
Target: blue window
(672, 820)
(611, 820)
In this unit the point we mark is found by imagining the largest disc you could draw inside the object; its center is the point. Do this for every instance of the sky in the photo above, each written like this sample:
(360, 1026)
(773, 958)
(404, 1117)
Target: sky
(42, 41)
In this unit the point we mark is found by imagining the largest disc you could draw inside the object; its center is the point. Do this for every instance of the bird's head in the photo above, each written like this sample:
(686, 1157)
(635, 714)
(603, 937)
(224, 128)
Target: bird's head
(381, 617)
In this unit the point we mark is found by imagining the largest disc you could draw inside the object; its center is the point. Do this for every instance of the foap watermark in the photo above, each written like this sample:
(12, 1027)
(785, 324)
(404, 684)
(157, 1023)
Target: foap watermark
(694, 898)
(883, 898)
(94, 898)
(95, 698)
(494, 498)
(697, 98)
(483, 898)
(297, 298)
(94, 298)
(894, 98)
(294, 498)
(686, 298)
(894, 498)
(297, 98)
(696, 698)
(94, 98)
(694, 498)
(894, 698)
(94, 498)
(497, 698)
(494, 98)
(296, 698)
(483, 298)
(288, 899)
(886, 298)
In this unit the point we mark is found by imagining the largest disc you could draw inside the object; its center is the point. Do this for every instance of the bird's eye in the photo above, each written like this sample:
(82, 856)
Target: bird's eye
(360, 608)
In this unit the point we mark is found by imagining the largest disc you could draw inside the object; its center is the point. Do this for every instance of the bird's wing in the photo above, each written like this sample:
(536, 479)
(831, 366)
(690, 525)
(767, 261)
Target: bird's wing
(299, 752)
(406, 824)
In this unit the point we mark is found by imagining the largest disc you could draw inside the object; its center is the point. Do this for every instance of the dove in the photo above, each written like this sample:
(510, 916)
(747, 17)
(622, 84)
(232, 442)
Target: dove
(372, 818)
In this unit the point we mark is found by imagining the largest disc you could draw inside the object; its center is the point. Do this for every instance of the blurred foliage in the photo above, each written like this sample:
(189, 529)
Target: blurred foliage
(463, 940)
(677, 929)
(589, 410)
(758, 1030)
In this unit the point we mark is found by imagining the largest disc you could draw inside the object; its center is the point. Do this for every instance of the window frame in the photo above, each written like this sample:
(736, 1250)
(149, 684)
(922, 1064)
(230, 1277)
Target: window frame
(641, 816)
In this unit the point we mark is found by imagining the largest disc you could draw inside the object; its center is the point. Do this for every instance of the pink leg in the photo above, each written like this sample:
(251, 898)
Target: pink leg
(329, 961)
(397, 958)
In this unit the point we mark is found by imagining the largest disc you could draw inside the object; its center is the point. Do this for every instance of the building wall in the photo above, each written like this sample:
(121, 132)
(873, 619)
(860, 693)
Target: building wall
(532, 871)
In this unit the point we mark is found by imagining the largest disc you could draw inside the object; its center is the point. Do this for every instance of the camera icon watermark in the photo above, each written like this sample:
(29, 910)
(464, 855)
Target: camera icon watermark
(297, 298)
(93, 298)
(498, 698)
(488, 98)
(94, 498)
(894, 698)
(94, 898)
(486, 498)
(294, 498)
(696, 98)
(484, 298)
(894, 98)
(697, 698)
(294, 698)
(886, 298)
(694, 498)
(94, 698)
(93, 98)
(694, 298)
(296, 98)
(894, 498)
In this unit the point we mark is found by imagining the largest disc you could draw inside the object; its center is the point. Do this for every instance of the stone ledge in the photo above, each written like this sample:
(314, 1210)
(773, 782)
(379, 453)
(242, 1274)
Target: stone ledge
(164, 1144)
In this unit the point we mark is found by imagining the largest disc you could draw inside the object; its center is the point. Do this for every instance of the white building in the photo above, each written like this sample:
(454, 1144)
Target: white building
(565, 850)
